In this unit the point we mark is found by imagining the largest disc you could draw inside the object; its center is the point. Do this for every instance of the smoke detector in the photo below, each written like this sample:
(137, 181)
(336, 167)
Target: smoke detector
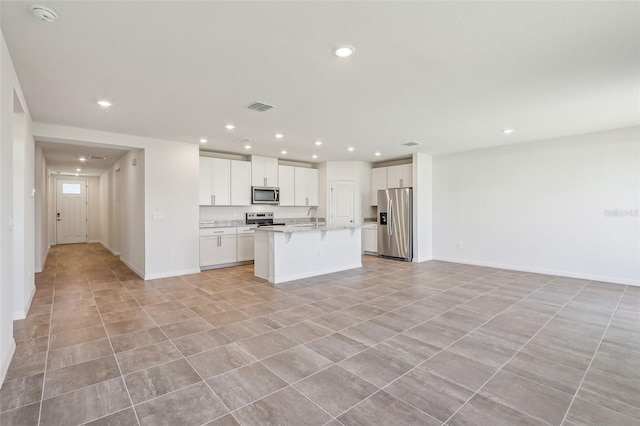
(44, 13)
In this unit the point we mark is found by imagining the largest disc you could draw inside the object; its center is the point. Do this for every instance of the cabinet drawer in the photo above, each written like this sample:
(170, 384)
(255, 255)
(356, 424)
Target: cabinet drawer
(208, 232)
(246, 229)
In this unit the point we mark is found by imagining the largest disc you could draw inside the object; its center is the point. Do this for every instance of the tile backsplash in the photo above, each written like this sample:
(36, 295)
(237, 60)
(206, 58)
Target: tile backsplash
(238, 213)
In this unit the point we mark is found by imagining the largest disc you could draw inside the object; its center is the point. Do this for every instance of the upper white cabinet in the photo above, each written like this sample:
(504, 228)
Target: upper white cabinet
(224, 182)
(390, 177)
(215, 175)
(286, 176)
(306, 186)
(400, 176)
(264, 171)
(378, 181)
(240, 183)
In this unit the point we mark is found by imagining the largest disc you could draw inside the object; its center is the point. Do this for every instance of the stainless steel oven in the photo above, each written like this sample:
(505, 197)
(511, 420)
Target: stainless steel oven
(265, 195)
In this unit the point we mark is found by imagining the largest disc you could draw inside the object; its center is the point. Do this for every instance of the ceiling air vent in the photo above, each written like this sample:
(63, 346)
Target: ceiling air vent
(412, 144)
(259, 106)
(96, 157)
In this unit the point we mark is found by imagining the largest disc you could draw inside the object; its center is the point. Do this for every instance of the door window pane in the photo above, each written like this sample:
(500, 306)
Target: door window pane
(71, 188)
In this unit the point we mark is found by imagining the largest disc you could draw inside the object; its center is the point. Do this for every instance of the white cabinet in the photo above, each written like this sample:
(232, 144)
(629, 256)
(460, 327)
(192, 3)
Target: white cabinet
(217, 246)
(378, 181)
(370, 239)
(306, 186)
(215, 175)
(400, 176)
(264, 171)
(286, 177)
(244, 241)
(240, 183)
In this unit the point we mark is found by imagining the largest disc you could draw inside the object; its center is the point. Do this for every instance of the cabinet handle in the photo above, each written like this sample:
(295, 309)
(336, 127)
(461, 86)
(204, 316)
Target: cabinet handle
(307, 200)
(265, 181)
(401, 183)
(212, 200)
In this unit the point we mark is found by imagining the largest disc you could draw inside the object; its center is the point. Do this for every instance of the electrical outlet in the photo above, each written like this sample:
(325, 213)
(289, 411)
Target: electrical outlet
(460, 246)
(172, 255)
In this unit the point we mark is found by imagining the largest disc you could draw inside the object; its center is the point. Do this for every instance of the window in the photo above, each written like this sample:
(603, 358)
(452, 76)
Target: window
(71, 188)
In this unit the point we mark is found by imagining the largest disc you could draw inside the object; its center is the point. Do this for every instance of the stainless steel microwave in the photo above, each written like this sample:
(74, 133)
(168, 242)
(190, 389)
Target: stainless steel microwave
(265, 195)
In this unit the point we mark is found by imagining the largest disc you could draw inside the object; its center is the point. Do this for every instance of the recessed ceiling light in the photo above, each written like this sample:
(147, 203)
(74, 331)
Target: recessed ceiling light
(318, 143)
(314, 156)
(377, 154)
(279, 135)
(247, 146)
(105, 104)
(350, 149)
(78, 170)
(229, 127)
(507, 131)
(343, 51)
(82, 159)
(203, 140)
(283, 152)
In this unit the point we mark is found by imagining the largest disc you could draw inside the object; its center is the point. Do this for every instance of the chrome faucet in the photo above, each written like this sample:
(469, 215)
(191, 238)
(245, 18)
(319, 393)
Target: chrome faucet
(309, 214)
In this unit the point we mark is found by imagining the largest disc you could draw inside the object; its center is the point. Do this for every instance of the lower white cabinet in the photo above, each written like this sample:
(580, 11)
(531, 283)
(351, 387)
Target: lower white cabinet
(370, 239)
(244, 241)
(217, 246)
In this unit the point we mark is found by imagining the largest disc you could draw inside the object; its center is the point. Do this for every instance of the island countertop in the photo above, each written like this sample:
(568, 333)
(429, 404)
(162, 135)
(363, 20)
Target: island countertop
(302, 228)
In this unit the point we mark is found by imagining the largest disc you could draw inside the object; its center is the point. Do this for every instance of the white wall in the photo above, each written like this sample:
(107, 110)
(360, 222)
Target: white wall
(41, 185)
(14, 291)
(422, 207)
(170, 180)
(93, 209)
(357, 171)
(132, 245)
(541, 206)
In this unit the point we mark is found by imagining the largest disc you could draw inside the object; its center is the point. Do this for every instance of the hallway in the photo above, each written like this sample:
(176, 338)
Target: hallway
(391, 343)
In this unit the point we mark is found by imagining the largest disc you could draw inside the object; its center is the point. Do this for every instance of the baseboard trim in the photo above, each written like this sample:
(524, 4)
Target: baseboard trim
(132, 267)
(19, 315)
(113, 252)
(171, 274)
(545, 271)
(6, 360)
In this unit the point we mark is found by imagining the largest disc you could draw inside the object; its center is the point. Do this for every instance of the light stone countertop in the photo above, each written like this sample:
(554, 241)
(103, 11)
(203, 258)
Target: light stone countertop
(305, 228)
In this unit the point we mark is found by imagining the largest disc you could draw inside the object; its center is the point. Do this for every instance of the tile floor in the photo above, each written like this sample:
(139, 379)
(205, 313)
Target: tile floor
(390, 344)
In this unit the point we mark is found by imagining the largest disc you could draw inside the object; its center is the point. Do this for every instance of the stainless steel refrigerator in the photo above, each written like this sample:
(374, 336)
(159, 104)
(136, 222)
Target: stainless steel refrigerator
(395, 223)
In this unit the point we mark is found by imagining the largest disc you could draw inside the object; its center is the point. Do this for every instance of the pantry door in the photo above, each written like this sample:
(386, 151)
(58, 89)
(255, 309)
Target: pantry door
(71, 211)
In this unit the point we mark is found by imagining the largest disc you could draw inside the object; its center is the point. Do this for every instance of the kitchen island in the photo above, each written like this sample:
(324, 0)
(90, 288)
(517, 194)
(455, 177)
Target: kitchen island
(287, 253)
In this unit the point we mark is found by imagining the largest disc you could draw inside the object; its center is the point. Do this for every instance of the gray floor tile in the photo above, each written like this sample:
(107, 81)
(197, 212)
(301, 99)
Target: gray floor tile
(368, 333)
(458, 369)
(194, 405)
(384, 409)
(483, 411)
(220, 360)
(19, 392)
(336, 347)
(376, 367)
(245, 385)
(546, 371)
(535, 400)
(184, 328)
(335, 389)
(434, 335)
(296, 363)
(267, 344)
(305, 331)
(126, 417)
(584, 413)
(488, 350)
(285, 407)
(85, 404)
(26, 415)
(155, 381)
(80, 375)
(136, 339)
(71, 355)
(147, 356)
(200, 342)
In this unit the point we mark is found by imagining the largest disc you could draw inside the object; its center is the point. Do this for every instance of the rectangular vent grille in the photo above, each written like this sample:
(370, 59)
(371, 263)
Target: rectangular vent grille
(411, 144)
(259, 106)
(96, 157)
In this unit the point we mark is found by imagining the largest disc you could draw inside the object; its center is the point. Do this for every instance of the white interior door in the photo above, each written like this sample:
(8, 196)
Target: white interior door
(71, 211)
(342, 203)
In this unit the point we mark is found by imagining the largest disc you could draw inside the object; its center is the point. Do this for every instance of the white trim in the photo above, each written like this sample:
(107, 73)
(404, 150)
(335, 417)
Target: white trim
(40, 268)
(19, 315)
(6, 360)
(287, 278)
(115, 253)
(569, 274)
(171, 274)
(94, 241)
(133, 268)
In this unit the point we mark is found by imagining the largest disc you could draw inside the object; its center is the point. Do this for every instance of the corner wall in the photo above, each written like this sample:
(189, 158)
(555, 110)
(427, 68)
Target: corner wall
(547, 206)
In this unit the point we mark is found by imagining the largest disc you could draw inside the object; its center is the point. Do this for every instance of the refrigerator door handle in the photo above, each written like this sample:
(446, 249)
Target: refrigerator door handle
(390, 210)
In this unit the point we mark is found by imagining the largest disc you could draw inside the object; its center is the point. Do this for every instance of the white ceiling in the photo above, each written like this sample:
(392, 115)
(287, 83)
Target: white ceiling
(63, 158)
(449, 75)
